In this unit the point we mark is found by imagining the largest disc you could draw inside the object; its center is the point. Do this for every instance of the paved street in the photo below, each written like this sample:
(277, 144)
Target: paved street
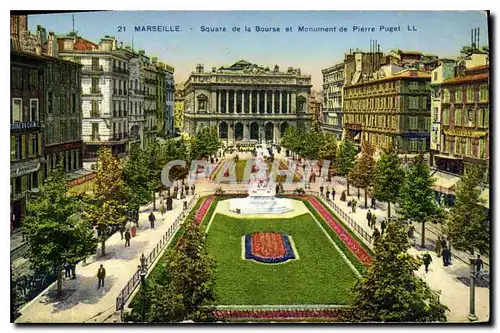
(83, 301)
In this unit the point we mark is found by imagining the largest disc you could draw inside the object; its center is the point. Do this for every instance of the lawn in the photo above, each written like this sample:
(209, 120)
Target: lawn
(240, 170)
(320, 276)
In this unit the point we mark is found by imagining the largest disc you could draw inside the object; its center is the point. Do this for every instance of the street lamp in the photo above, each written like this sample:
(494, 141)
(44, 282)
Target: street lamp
(143, 271)
(472, 313)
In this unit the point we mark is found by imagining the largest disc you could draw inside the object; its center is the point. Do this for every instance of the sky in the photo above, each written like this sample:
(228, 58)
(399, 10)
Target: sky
(439, 32)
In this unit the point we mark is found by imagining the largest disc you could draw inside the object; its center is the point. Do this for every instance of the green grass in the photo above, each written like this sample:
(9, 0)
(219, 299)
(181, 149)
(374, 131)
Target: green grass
(320, 276)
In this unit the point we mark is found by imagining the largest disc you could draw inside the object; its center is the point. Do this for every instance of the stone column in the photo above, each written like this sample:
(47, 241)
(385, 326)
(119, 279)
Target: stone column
(294, 104)
(281, 102)
(273, 111)
(258, 101)
(220, 100)
(227, 101)
(230, 132)
(213, 102)
(265, 101)
(235, 101)
(245, 132)
(250, 106)
(243, 101)
(288, 104)
(276, 132)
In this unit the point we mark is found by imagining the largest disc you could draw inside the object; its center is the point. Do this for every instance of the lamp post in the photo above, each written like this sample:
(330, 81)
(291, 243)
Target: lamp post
(472, 313)
(143, 271)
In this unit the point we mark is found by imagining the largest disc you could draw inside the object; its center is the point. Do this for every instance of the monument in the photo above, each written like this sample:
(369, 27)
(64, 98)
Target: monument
(261, 192)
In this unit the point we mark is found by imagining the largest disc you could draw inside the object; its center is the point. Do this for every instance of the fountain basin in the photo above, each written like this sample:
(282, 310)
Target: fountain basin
(260, 205)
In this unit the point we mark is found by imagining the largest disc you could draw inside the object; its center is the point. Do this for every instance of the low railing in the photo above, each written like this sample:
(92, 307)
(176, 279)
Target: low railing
(359, 230)
(166, 238)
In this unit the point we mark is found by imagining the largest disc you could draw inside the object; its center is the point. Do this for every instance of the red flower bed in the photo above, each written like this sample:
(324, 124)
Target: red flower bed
(348, 240)
(200, 213)
(278, 314)
(267, 245)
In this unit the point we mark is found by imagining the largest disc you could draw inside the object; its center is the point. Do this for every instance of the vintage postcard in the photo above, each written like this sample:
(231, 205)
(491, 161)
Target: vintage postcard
(250, 166)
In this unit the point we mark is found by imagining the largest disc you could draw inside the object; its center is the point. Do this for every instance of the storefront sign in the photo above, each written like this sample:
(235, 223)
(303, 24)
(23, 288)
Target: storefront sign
(21, 126)
(82, 180)
(24, 168)
(63, 147)
(466, 133)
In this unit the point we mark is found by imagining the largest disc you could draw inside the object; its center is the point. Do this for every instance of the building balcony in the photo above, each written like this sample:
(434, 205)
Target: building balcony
(95, 138)
(92, 69)
(121, 70)
(94, 115)
(94, 91)
(152, 81)
(150, 96)
(118, 137)
(138, 92)
(25, 126)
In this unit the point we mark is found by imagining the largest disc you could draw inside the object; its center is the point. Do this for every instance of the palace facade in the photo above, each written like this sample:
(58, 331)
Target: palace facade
(246, 102)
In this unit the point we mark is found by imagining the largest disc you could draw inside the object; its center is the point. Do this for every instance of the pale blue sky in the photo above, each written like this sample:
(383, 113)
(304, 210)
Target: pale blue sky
(439, 32)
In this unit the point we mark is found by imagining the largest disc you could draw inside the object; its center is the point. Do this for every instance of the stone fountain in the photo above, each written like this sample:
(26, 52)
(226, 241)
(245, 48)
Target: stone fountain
(261, 193)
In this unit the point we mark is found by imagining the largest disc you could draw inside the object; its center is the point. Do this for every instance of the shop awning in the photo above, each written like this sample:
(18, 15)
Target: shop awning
(445, 183)
(485, 195)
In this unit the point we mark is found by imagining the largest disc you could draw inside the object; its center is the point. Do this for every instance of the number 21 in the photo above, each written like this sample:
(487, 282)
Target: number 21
(121, 28)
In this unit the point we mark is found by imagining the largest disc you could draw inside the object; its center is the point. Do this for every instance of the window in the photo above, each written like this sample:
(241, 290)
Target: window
(95, 131)
(458, 117)
(95, 85)
(486, 118)
(435, 114)
(34, 109)
(95, 109)
(17, 78)
(413, 123)
(463, 146)
(34, 79)
(446, 116)
(469, 120)
(482, 148)
(468, 150)
(470, 94)
(458, 95)
(483, 93)
(50, 102)
(413, 145)
(34, 145)
(17, 105)
(413, 85)
(413, 102)
(446, 95)
(73, 103)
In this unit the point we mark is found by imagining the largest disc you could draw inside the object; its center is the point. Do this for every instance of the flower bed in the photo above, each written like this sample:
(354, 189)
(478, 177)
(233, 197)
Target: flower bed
(348, 240)
(200, 213)
(279, 314)
(268, 247)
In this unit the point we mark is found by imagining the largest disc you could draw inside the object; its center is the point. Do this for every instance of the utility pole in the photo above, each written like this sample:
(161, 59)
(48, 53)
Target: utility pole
(143, 272)
(472, 298)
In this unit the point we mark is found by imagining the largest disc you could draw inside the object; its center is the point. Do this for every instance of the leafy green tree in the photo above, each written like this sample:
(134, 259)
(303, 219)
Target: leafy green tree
(16, 297)
(187, 290)
(136, 176)
(362, 174)
(389, 177)
(346, 159)
(486, 49)
(467, 226)
(292, 140)
(109, 203)
(416, 199)
(389, 291)
(466, 50)
(158, 158)
(205, 143)
(56, 236)
(312, 144)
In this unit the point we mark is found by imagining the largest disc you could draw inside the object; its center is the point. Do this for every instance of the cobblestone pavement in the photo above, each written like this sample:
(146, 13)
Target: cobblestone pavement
(82, 301)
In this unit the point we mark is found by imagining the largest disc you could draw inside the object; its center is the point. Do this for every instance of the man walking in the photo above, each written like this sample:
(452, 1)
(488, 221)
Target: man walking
(383, 225)
(321, 188)
(427, 261)
(101, 274)
(376, 234)
(67, 269)
(122, 230)
(127, 238)
(479, 264)
(152, 220)
(374, 220)
(333, 194)
(327, 193)
(369, 218)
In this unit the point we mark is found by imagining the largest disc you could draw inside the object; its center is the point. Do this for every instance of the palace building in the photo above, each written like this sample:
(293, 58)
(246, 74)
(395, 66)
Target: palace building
(246, 102)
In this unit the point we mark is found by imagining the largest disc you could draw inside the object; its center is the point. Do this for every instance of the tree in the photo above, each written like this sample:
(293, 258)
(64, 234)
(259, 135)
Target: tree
(388, 178)
(389, 291)
(186, 287)
(55, 235)
(136, 176)
(110, 198)
(312, 144)
(292, 140)
(467, 226)
(157, 159)
(361, 175)
(416, 200)
(466, 50)
(346, 158)
(205, 143)
(486, 49)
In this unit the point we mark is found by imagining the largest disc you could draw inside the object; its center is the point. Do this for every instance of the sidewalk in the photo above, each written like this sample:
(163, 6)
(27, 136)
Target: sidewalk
(82, 301)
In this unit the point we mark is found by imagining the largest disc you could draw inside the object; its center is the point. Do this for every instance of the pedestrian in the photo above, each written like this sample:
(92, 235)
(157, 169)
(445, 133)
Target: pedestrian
(359, 195)
(479, 264)
(127, 238)
(383, 225)
(369, 218)
(192, 189)
(333, 194)
(101, 274)
(411, 231)
(438, 248)
(343, 196)
(327, 193)
(152, 220)
(374, 220)
(67, 270)
(376, 234)
(444, 254)
(185, 204)
(163, 210)
(277, 188)
(122, 230)
(321, 188)
(427, 261)
(353, 206)
(373, 203)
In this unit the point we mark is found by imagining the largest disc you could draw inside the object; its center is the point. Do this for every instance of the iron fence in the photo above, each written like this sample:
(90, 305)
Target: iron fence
(165, 239)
